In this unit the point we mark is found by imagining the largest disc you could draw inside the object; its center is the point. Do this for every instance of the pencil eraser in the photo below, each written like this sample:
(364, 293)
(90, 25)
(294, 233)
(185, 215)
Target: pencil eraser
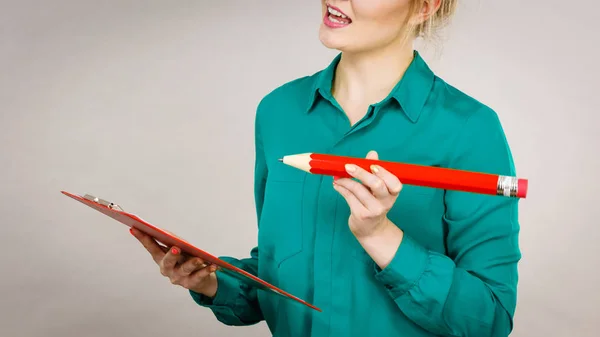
(522, 188)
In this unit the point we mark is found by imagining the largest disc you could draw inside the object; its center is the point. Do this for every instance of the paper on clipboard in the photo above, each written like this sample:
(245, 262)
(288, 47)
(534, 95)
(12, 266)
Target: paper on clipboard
(168, 239)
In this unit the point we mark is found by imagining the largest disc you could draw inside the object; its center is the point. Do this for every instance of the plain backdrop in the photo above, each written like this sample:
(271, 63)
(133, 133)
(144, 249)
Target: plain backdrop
(151, 104)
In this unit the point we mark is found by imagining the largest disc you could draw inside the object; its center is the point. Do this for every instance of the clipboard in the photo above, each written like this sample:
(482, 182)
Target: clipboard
(168, 240)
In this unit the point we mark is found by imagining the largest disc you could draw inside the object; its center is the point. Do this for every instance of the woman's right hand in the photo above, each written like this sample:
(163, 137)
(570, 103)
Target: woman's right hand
(188, 272)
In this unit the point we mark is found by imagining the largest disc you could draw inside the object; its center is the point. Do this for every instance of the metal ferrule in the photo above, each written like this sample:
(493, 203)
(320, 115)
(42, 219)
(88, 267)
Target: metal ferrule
(508, 186)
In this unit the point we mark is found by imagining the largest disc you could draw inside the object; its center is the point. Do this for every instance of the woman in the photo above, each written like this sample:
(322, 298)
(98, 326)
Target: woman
(378, 257)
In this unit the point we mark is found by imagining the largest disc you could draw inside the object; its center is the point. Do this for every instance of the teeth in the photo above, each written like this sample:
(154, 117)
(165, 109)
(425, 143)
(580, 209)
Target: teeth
(335, 20)
(337, 13)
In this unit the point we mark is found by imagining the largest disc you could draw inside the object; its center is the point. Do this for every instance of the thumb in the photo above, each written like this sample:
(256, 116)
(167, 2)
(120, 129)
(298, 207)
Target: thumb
(372, 155)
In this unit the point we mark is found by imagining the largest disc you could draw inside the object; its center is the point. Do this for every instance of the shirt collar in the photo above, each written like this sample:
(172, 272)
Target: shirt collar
(322, 83)
(411, 92)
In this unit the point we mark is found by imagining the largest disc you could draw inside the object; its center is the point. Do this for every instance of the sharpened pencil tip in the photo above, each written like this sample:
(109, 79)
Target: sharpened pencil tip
(280, 160)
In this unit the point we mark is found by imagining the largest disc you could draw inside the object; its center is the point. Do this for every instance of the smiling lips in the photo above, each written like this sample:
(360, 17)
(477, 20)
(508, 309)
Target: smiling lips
(335, 18)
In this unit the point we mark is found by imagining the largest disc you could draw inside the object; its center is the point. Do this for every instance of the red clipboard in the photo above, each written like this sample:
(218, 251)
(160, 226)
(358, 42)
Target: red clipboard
(114, 211)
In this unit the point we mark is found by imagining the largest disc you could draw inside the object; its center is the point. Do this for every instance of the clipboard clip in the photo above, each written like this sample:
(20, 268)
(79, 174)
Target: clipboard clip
(103, 202)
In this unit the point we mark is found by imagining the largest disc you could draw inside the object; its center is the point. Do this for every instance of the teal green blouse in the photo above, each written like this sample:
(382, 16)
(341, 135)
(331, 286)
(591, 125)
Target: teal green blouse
(455, 272)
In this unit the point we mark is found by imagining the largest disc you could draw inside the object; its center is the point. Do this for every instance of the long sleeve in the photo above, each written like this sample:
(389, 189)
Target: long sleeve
(471, 290)
(235, 303)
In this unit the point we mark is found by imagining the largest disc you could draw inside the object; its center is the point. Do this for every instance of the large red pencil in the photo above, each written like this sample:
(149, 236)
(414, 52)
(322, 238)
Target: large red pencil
(414, 174)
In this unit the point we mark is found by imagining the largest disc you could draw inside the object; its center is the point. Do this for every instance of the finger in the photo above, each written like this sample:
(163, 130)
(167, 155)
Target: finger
(373, 155)
(182, 258)
(355, 205)
(354, 192)
(373, 182)
(191, 265)
(150, 244)
(199, 275)
(393, 184)
(169, 260)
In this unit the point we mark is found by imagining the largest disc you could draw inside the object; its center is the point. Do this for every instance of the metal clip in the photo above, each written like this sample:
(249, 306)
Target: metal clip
(103, 202)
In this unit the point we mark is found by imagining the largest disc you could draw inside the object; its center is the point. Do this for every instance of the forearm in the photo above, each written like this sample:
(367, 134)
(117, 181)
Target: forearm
(431, 290)
(443, 298)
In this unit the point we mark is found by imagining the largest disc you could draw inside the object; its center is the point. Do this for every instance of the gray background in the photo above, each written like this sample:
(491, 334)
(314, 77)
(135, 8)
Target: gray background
(134, 101)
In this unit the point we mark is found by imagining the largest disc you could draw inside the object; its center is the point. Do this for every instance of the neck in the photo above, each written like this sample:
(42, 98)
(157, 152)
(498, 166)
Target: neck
(369, 76)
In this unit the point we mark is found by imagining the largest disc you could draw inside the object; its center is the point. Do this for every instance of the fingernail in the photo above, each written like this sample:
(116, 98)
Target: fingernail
(350, 168)
(175, 251)
(374, 169)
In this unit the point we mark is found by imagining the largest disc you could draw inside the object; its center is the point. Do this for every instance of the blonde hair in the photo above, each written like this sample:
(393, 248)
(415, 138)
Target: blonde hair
(429, 28)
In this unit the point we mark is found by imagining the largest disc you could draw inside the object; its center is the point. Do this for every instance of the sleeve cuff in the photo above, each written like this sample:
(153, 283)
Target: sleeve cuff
(226, 296)
(405, 269)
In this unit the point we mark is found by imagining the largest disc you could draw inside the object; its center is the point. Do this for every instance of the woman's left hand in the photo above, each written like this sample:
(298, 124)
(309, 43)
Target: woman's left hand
(370, 199)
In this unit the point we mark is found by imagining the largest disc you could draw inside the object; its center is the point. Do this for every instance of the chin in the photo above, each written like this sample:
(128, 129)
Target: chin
(333, 40)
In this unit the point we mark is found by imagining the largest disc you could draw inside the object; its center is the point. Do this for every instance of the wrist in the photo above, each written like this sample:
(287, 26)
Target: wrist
(377, 230)
(382, 244)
